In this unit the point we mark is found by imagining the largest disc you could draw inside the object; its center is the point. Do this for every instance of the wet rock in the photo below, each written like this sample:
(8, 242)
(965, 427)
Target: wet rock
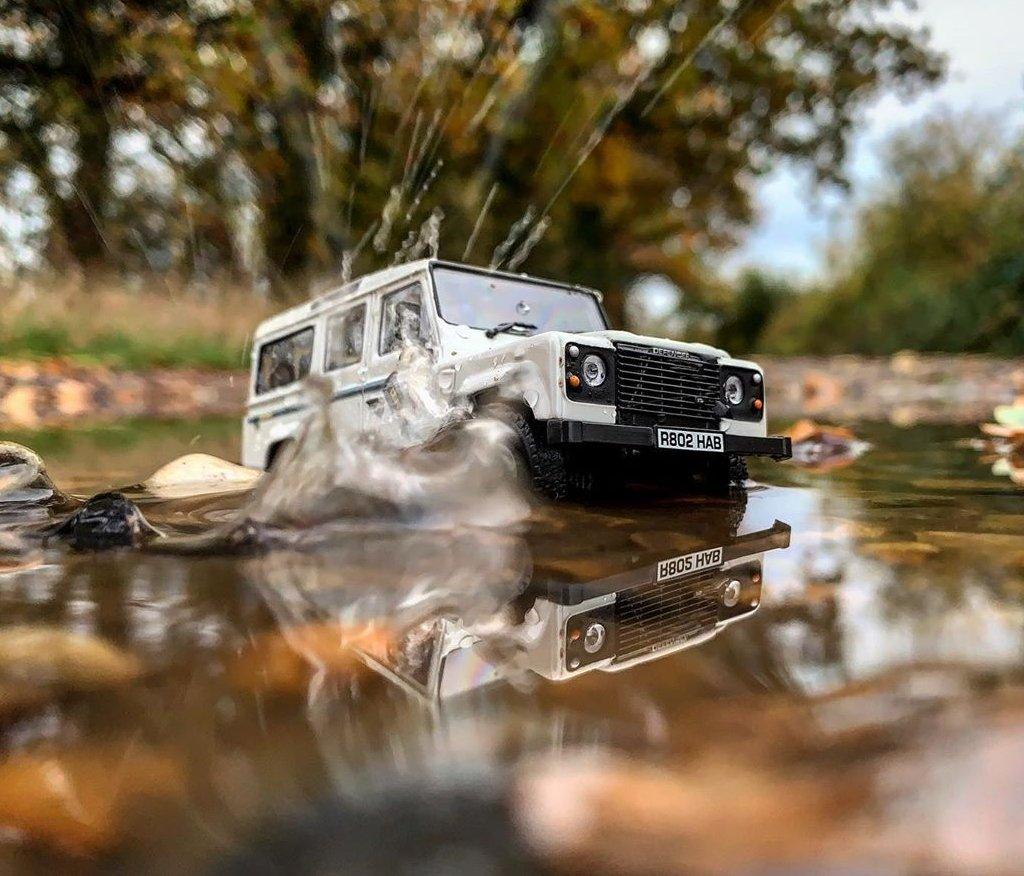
(23, 477)
(444, 825)
(80, 802)
(199, 474)
(105, 522)
(286, 661)
(51, 658)
(823, 448)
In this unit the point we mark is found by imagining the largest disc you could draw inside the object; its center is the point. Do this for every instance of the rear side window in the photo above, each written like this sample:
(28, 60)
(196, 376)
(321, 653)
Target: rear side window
(285, 360)
(402, 319)
(345, 333)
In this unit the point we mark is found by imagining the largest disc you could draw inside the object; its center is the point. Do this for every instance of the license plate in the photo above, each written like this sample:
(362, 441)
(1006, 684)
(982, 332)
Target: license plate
(695, 562)
(684, 439)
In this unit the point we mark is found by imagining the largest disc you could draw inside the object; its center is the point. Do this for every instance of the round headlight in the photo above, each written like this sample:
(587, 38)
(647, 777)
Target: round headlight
(594, 638)
(733, 390)
(594, 371)
(732, 593)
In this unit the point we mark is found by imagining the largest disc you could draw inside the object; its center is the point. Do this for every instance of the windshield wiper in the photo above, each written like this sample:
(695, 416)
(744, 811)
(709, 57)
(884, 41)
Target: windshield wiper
(505, 326)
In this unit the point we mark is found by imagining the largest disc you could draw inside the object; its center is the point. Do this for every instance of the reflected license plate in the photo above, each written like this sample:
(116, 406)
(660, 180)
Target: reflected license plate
(689, 563)
(684, 439)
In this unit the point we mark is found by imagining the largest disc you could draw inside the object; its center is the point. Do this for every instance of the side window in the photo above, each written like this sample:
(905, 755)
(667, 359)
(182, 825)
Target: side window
(345, 338)
(285, 360)
(402, 318)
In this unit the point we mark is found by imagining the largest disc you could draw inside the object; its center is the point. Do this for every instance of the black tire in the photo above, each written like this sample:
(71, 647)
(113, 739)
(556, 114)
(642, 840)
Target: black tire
(544, 465)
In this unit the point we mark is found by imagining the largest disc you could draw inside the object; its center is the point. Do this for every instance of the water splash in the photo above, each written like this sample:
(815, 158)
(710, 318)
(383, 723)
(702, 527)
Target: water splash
(423, 243)
(421, 461)
(505, 247)
(532, 239)
(388, 215)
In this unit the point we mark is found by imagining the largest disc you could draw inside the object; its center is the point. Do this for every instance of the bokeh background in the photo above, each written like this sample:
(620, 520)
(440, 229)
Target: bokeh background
(776, 176)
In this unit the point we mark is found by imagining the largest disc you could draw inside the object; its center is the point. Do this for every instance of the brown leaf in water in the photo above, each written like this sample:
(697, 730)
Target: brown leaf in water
(48, 656)
(808, 430)
(286, 660)
(78, 801)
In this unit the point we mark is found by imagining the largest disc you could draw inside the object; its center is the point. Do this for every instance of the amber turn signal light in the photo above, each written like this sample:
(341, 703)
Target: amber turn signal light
(758, 404)
(574, 381)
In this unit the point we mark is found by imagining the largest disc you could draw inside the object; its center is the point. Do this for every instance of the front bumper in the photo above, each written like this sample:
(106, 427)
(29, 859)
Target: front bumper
(575, 432)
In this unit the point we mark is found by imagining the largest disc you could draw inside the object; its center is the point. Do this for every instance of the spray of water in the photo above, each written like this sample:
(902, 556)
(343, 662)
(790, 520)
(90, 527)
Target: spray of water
(503, 249)
(532, 239)
(422, 461)
(424, 243)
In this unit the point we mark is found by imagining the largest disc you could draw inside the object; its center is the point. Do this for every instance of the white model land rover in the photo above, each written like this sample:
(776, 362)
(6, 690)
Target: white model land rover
(587, 402)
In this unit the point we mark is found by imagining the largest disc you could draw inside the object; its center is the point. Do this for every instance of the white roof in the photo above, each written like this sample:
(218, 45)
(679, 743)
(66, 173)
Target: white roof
(307, 310)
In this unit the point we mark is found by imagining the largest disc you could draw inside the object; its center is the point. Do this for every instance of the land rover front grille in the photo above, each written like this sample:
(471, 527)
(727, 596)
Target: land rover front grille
(655, 385)
(660, 615)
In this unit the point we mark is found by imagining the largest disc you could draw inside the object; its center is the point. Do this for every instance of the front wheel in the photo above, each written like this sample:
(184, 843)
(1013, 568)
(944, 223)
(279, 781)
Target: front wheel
(542, 466)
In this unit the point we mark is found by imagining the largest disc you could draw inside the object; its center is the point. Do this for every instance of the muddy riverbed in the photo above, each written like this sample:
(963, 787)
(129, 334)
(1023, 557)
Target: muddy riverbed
(821, 674)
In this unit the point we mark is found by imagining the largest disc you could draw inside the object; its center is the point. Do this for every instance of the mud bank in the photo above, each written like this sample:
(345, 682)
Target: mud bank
(904, 389)
(34, 394)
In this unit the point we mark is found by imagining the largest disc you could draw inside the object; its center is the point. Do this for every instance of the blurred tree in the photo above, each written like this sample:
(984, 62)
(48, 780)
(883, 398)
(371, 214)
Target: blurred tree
(936, 262)
(758, 298)
(297, 136)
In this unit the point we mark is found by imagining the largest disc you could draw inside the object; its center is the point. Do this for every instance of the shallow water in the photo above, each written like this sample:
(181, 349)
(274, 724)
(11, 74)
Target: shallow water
(844, 694)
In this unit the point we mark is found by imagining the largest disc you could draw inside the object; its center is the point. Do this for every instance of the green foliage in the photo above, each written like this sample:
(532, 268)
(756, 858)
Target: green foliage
(755, 303)
(937, 261)
(125, 351)
(275, 133)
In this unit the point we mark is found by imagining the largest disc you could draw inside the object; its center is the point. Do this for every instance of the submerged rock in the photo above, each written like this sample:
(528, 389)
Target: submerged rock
(444, 824)
(47, 657)
(79, 802)
(106, 521)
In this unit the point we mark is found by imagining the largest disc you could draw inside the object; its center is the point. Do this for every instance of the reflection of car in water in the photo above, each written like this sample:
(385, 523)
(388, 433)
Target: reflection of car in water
(562, 630)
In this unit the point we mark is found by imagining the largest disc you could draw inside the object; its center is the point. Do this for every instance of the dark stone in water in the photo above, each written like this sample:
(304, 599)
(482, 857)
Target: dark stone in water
(427, 828)
(105, 522)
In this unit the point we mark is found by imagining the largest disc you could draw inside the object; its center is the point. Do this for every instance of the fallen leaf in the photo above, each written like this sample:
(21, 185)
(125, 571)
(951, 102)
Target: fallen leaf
(286, 660)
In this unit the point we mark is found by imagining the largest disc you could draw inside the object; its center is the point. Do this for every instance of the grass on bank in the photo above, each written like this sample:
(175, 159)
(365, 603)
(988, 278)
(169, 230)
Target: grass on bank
(110, 324)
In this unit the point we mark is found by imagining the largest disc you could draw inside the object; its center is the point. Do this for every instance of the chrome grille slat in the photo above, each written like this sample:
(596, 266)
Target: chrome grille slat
(660, 386)
(660, 615)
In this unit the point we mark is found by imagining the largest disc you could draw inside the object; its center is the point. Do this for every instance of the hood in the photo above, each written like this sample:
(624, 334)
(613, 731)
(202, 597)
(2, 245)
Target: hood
(629, 338)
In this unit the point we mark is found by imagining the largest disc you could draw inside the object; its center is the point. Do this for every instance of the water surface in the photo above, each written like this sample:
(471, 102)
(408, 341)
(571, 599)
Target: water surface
(825, 673)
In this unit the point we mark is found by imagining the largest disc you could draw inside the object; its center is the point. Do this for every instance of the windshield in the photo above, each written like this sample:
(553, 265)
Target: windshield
(483, 301)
